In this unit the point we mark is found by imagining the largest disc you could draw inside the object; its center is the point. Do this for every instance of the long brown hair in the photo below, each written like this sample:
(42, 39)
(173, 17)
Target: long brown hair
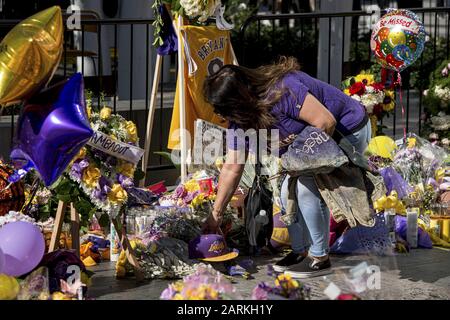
(246, 96)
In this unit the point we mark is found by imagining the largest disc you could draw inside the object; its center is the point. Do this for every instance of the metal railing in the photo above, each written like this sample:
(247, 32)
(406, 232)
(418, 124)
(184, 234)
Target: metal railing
(298, 34)
(106, 86)
(261, 36)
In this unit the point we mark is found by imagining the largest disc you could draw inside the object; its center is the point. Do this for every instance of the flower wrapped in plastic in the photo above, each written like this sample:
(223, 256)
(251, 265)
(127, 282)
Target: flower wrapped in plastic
(203, 284)
(284, 288)
(395, 182)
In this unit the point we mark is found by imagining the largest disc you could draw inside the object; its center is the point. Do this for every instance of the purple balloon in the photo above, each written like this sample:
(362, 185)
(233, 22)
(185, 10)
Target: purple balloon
(53, 128)
(23, 247)
(2, 260)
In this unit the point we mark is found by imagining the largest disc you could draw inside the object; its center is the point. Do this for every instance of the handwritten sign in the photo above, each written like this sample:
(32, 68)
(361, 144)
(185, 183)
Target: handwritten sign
(315, 138)
(113, 147)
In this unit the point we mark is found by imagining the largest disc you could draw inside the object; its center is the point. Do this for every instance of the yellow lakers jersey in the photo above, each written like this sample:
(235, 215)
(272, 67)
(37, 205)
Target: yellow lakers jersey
(206, 49)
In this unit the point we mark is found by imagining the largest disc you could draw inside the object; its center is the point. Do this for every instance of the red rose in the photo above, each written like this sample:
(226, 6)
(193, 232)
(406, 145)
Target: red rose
(378, 86)
(357, 88)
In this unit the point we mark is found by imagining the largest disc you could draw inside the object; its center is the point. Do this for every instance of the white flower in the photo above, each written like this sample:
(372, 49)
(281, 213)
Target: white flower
(199, 8)
(442, 93)
(370, 89)
(242, 6)
(14, 216)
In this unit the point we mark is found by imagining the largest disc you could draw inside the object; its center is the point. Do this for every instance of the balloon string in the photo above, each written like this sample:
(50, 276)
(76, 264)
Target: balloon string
(399, 85)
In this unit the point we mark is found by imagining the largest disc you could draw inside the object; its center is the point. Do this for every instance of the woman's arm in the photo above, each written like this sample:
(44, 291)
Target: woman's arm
(229, 178)
(317, 115)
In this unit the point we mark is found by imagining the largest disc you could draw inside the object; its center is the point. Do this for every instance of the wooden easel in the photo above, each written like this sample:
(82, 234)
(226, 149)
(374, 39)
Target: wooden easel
(75, 233)
(74, 227)
(152, 107)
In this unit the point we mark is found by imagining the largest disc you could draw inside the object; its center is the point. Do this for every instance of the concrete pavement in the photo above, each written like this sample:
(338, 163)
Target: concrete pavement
(420, 274)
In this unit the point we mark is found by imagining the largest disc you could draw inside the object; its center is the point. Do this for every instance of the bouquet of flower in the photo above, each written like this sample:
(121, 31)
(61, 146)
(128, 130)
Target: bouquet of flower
(437, 96)
(102, 177)
(378, 100)
(165, 258)
(204, 284)
(197, 11)
(285, 288)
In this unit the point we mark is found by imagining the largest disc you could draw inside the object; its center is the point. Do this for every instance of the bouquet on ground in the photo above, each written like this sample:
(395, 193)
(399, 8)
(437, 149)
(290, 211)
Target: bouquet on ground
(204, 284)
(162, 258)
(284, 288)
(378, 100)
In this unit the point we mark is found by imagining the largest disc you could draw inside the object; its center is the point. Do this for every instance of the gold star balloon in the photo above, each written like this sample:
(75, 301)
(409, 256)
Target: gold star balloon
(30, 54)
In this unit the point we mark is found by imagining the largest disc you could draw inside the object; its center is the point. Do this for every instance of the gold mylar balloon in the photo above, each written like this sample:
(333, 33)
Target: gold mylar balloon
(30, 54)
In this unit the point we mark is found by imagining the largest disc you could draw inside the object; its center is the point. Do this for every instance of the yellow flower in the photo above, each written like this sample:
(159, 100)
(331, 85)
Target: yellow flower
(191, 185)
(411, 143)
(89, 111)
(178, 297)
(105, 113)
(367, 79)
(131, 130)
(198, 200)
(440, 174)
(117, 194)
(81, 153)
(389, 97)
(178, 286)
(347, 91)
(91, 176)
(127, 169)
(286, 281)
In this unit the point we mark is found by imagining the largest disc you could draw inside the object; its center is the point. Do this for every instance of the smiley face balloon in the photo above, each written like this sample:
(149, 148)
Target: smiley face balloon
(30, 54)
(398, 39)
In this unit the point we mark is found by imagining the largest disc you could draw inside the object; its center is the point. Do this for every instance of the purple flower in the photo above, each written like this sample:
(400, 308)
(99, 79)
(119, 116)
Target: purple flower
(104, 187)
(444, 72)
(190, 196)
(260, 292)
(180, 191)
(168, 293)
(125, 182)
(78, 168)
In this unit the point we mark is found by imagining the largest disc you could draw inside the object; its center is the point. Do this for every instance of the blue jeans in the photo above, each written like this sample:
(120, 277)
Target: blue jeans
(311, 231)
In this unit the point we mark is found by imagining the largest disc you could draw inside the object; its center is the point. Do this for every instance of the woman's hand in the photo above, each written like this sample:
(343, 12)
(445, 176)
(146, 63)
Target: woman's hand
(229, 178)
(212, 224)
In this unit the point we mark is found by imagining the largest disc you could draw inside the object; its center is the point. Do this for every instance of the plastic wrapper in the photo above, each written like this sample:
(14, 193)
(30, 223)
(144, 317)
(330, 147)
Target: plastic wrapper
(395, 182)
(35, 286)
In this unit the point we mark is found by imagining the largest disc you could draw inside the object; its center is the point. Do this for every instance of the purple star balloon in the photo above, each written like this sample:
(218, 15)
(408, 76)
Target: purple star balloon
(53, 128)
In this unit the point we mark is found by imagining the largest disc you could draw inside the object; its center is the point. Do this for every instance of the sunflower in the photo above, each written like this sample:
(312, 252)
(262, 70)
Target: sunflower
(389, 100)
(365, 78)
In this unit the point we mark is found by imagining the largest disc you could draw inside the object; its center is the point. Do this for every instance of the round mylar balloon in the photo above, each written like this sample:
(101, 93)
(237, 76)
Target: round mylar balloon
(29, 55)
(398, 39)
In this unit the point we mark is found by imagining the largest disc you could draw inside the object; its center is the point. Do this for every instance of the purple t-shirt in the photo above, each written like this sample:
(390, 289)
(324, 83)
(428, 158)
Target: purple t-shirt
(348, 112)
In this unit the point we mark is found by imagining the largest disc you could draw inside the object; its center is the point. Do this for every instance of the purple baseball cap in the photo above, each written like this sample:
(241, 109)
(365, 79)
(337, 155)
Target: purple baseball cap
(211, 248)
